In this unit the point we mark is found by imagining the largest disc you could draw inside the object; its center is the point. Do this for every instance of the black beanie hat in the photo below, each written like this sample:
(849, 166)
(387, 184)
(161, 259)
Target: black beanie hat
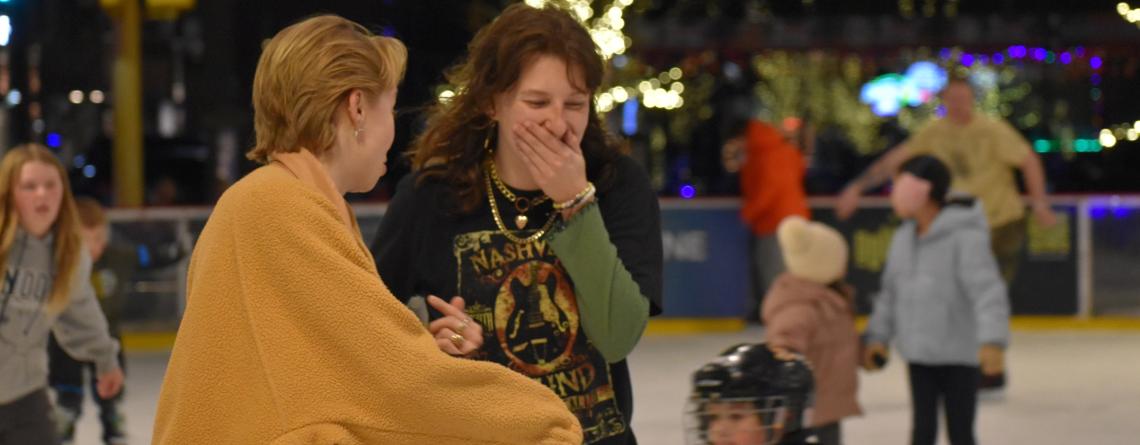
(931, 169)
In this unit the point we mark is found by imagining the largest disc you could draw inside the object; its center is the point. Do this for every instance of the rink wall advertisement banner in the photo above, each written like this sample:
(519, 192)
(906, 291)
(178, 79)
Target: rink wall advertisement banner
(707, 250)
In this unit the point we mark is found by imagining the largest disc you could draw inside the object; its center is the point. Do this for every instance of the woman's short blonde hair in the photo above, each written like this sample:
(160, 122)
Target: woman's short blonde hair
(306, 72)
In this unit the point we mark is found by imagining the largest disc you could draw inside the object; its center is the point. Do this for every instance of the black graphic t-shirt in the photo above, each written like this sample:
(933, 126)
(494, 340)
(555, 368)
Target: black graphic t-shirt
(520, 293)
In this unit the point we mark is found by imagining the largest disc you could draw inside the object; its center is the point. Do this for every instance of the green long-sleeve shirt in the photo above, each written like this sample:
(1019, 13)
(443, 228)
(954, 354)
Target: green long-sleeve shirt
(614, 311)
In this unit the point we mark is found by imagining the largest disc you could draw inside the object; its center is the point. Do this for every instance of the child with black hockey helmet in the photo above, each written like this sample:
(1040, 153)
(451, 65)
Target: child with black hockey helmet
(751, 396)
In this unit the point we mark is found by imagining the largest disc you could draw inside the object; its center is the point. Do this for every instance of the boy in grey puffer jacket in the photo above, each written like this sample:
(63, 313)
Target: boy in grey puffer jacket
(942, 300)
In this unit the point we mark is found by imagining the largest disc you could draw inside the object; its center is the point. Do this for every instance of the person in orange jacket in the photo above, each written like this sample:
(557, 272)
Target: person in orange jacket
(772, 170)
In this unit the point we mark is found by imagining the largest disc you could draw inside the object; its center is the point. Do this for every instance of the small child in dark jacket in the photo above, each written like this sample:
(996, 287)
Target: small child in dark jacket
(110, 273)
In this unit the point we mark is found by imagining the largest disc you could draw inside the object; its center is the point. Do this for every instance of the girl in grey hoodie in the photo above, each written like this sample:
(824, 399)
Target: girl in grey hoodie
(45, 289)
(943, 301)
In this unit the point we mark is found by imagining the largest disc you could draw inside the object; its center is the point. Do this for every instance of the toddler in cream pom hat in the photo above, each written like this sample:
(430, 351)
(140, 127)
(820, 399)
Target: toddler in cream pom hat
(812, 251)
(809, 310)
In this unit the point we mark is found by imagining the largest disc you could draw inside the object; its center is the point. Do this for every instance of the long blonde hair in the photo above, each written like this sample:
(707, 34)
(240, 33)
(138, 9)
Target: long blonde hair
(65, 229)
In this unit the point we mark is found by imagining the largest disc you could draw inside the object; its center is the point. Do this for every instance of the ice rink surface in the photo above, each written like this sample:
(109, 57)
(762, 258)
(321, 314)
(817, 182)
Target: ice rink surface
(1066, 388)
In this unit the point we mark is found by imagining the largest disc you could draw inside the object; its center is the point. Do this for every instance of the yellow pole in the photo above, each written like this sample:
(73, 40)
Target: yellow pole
(127, 161)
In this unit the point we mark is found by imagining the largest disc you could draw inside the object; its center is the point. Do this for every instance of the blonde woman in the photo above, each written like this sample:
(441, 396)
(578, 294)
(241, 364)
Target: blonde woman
(289, 334)
(45, 290)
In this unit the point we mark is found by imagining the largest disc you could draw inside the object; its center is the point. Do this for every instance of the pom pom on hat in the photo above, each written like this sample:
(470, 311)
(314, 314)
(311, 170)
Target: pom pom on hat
(812, 251)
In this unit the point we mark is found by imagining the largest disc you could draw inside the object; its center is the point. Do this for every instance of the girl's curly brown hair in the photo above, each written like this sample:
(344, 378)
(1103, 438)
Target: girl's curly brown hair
(452, 144)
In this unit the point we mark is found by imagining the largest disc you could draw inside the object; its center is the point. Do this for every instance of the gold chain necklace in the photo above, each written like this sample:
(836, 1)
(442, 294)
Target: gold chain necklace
(522, 203)
(503, 228)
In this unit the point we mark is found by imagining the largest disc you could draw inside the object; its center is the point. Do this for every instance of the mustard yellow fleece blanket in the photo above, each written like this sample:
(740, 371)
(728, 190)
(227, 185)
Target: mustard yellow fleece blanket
(290, 337)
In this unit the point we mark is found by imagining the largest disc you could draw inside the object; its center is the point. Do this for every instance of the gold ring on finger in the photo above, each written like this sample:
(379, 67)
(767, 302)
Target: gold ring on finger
(457, 340)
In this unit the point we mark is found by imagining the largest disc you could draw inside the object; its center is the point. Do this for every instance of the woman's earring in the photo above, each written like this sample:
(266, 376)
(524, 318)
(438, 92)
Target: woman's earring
(487, 140)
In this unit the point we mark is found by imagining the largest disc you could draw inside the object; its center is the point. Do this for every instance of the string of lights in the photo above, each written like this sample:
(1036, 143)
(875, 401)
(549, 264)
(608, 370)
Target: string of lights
(1132, 15)
(1110, 136)
(663, 91)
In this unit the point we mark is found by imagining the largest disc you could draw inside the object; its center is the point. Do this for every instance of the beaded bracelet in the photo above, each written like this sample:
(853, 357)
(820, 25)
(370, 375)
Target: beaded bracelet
(582, 196)
(585, 199)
